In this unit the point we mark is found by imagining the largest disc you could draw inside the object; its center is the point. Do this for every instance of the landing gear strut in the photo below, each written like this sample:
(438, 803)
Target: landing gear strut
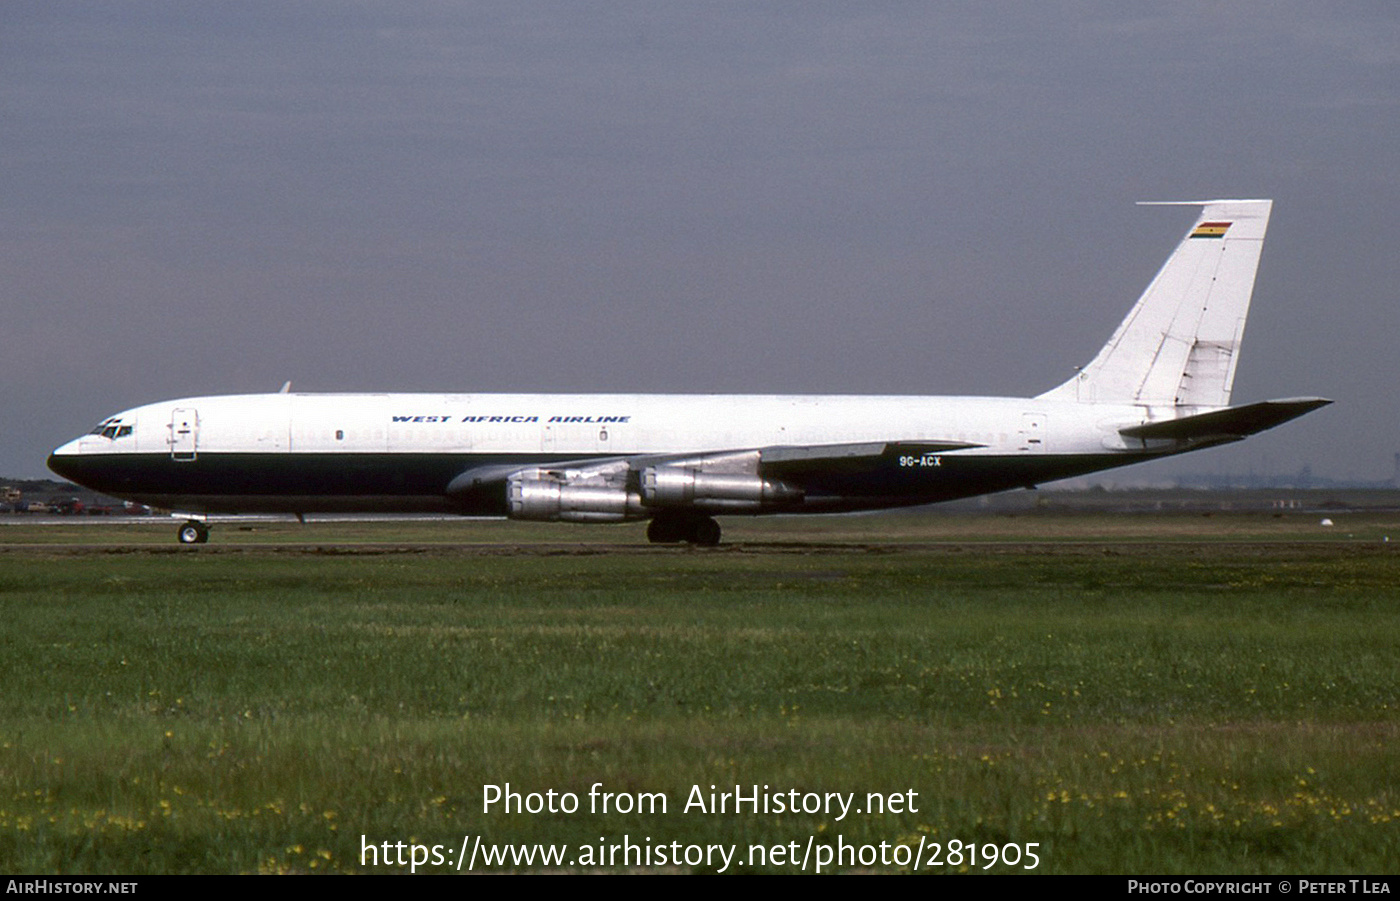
(672, 529)
(193, 532)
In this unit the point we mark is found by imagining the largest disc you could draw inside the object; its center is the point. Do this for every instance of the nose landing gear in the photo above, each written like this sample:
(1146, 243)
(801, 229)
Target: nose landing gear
(193, 532)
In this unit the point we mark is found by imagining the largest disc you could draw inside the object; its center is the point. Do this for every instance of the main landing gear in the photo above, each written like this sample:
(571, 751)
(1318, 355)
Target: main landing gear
(193, 532)
(675, 528)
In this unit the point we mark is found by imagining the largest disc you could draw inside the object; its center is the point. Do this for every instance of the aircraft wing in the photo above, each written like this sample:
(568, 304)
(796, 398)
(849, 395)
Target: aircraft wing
(779, 461)
(484, 477)
(793, 461)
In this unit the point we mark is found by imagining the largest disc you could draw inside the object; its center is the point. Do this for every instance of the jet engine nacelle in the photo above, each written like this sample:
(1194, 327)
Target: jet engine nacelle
(542, 497)
(682, 486)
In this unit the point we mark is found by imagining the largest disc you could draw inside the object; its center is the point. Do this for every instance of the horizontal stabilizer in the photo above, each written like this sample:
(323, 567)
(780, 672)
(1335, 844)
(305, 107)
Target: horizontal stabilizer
(1230, 424)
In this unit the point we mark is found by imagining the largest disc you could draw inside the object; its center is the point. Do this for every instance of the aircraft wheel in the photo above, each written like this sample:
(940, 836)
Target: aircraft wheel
(705, 532)
(193, 532)
(665, 530)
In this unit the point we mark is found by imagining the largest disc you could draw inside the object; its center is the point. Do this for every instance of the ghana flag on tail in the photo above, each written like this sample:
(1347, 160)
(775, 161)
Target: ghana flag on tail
(1210, 230)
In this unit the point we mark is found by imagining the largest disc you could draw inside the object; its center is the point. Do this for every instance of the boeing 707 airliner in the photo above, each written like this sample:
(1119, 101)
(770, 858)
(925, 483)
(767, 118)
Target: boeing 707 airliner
(1160, 386)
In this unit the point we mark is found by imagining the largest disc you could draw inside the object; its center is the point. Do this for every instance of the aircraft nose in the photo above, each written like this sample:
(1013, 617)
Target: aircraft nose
(64, 459)
(57, 464)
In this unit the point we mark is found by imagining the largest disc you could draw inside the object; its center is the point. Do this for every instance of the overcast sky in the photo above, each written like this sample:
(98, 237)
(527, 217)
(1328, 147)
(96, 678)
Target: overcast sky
(804, 197)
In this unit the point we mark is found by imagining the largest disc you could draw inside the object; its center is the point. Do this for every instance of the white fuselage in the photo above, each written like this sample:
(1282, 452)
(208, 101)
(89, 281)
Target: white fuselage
(401, 451)
(587, 425)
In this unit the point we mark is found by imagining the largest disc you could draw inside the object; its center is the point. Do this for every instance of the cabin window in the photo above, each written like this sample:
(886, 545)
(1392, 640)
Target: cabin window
(339, 434)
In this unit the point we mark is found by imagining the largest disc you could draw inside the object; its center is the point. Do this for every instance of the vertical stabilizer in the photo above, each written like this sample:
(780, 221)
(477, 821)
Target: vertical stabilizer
(1180, 343)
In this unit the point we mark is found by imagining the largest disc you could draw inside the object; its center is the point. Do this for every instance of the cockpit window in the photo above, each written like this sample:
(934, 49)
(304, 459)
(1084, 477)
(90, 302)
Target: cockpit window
(111, 429)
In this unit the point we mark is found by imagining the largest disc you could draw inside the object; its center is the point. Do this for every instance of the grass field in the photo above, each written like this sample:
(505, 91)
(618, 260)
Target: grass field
(1132, 694)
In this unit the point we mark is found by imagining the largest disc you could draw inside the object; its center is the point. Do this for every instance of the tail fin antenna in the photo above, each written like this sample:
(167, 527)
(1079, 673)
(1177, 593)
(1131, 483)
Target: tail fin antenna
(1180, 343)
